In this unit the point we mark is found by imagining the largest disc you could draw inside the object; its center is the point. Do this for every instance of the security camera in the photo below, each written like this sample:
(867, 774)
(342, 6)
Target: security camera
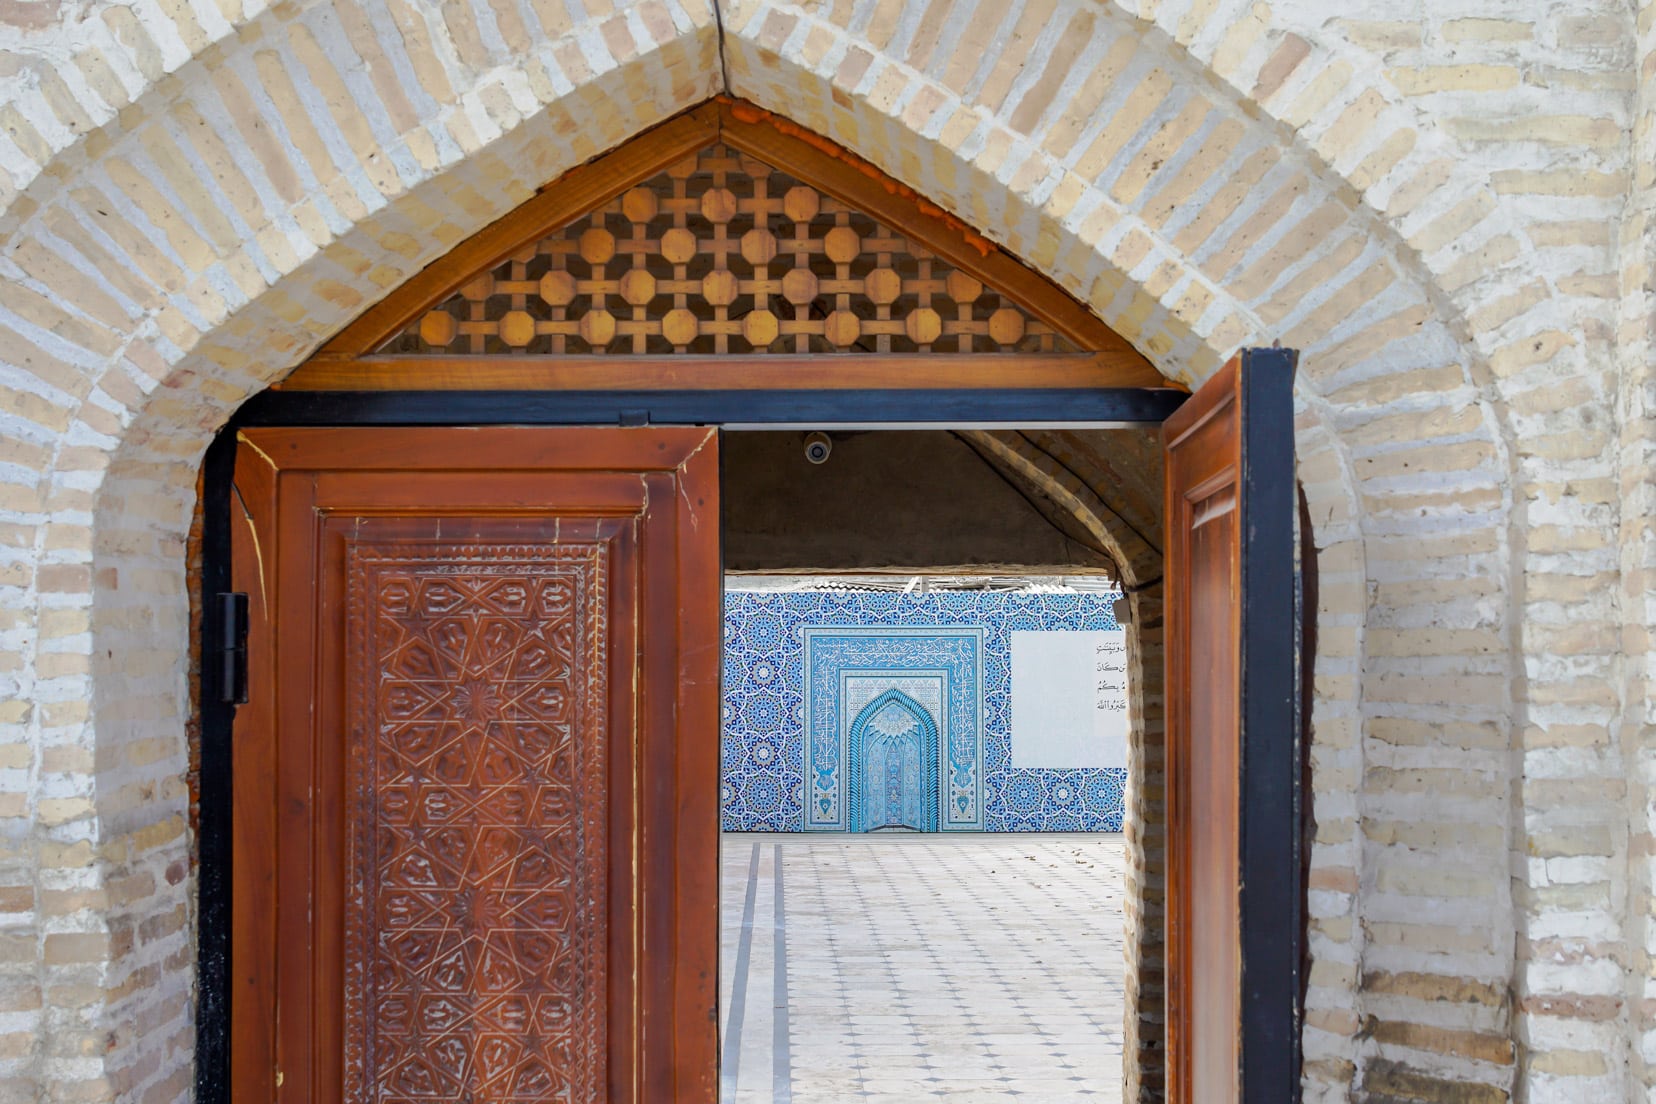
(817, 447)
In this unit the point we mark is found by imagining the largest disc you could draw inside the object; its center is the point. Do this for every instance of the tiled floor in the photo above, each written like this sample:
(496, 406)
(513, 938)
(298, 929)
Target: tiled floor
(906, 968)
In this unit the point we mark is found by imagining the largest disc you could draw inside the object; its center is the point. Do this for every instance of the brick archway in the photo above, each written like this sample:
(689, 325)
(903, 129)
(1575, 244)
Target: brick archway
(208, 291)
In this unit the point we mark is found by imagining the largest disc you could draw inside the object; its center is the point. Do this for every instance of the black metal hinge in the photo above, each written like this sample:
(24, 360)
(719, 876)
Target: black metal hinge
(232, 625)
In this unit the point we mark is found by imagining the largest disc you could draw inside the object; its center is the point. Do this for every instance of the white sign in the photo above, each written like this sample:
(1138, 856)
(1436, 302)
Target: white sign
(1069, 699)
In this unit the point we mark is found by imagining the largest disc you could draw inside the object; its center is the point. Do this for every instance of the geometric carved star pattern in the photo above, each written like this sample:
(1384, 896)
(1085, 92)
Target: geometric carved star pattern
(475, 761)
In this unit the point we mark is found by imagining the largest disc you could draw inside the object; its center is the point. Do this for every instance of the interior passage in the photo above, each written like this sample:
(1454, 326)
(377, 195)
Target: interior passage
(917, 967)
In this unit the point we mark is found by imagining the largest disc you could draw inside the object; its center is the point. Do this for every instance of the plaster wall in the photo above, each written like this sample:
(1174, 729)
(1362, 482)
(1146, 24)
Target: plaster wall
(1446, 208)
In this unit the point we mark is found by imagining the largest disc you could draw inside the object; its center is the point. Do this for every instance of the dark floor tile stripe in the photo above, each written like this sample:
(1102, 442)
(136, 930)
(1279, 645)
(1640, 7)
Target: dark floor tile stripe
(730, 1061)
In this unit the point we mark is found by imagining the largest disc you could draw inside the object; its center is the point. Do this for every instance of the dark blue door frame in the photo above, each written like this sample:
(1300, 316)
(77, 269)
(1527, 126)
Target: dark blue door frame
(988, 408)
(897, 408)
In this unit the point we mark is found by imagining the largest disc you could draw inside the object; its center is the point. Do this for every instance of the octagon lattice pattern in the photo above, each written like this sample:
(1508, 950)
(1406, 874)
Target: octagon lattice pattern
(724, 254)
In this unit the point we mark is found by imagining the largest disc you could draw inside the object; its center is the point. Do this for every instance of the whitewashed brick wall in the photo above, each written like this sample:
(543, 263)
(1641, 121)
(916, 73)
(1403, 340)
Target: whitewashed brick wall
(1447, 207)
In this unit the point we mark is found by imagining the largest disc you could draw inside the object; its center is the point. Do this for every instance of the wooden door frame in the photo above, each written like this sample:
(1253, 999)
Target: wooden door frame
(894, 408)
(1269, 652)
(329, 508)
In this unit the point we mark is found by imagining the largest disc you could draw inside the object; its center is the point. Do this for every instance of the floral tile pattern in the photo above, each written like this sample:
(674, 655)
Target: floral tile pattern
(768, 726)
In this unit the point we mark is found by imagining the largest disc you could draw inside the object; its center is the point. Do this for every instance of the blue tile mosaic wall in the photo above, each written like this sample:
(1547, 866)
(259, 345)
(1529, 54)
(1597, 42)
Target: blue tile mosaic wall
(802, 669)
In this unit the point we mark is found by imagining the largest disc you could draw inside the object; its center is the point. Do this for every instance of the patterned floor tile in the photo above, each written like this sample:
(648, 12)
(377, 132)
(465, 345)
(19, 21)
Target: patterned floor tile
(905, 968)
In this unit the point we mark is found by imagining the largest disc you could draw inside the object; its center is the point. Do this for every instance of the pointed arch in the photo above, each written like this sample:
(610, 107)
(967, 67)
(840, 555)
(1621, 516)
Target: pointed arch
(924, 737)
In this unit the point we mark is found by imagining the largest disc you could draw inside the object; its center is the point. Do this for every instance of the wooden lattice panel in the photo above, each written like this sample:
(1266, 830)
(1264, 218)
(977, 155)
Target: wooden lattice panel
(724, 254)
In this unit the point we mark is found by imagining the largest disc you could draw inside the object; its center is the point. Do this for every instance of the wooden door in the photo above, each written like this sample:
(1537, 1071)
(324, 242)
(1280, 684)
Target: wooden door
(1233, 739)
(476, 834)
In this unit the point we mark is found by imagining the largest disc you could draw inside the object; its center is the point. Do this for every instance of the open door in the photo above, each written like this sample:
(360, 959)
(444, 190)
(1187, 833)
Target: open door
(1233, 739)
(475, 779)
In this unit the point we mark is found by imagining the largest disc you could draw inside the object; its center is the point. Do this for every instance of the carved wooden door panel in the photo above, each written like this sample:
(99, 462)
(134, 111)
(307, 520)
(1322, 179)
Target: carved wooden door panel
(476, 779)
(1233, 761)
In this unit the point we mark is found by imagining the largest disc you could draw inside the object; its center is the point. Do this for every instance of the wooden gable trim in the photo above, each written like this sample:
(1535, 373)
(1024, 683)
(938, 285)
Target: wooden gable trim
(854, 181)
(347, 362)
(736, 372)
(569, 197)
